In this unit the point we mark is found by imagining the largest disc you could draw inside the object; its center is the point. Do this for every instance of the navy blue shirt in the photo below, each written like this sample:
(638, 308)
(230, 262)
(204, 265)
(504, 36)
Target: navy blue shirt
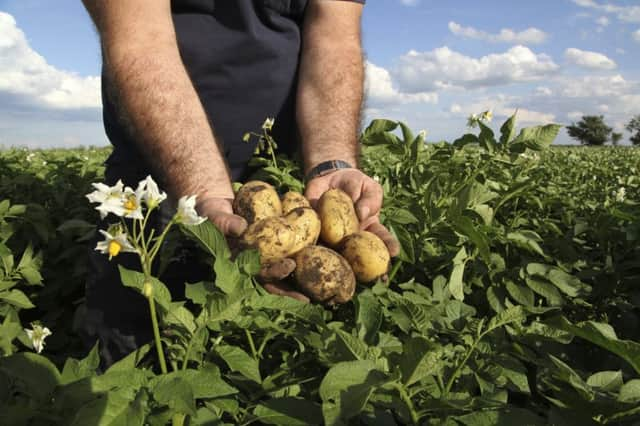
(242, 57)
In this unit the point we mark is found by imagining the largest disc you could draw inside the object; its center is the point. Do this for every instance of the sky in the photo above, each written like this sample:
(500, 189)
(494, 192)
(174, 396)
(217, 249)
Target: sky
(428, 63)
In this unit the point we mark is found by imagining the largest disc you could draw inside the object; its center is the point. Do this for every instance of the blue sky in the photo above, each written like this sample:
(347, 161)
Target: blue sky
(429, 63)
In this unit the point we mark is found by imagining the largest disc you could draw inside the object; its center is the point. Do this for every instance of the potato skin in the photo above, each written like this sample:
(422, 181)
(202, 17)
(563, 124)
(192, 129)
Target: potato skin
(291, 200)
(273, 237)
(306, 225)
(257, 200)
(337, 215)
(367, 254)
(324, 276)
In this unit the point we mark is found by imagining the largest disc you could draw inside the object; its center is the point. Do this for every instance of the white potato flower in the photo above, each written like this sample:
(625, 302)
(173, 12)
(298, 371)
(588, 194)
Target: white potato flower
(268, 124)
(109, 197)
(186, 213)
(149, 192)
(37, 335)
(487, 116)
(115, 244)
(621, 194)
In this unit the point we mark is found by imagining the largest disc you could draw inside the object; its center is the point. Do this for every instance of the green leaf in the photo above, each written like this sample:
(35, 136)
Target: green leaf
(419, 359)
(630, 392)
(536, 138)
(568, 284)
(205, 382)
(520, 294)
(609, 381)
(198, 292)
(130, 361)
(486, 138)
(108, 409)
(32, 374)
(228, 277)
(304, 311)
(507, 131)
(249, 262)
(176, 393)
(603, 335)
(464, 225)
(209, 237)
(75, 370)
(135, 279)
(507, 416)
(527, 240)
(456, 285)
(238, 360)
(508, 316)
(369, 316)
(346, 388)
(31, 275)
(546, 290)
(289, 411)
(16, 298)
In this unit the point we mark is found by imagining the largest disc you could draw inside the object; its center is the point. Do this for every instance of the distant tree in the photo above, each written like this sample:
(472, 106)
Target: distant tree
(634, 127)
(590, 130)
(616, 138)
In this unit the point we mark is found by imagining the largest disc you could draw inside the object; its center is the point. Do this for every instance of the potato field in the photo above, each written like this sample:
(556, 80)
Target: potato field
(515, 299)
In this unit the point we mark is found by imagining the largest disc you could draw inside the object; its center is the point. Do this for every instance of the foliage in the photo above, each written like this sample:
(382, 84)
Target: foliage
(634, 128)
(590, 130)
(514, 301)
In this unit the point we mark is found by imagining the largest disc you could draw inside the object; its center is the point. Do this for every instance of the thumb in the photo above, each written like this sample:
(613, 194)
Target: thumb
(315, 189)
(229, 224)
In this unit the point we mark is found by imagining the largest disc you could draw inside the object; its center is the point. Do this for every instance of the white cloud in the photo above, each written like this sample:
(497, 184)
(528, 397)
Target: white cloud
(575, 115)
(409, 2)
(620, 51)
(636, 36)
(506, 35)
(28, 78)
(624, 13)
(503, 106)
(544, 91)
(443, 67)
(380, 89)
(591, 60)
(595, 86)
(603, 21)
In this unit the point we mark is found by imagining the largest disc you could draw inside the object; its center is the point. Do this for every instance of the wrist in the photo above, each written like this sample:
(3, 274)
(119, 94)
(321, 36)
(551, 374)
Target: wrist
(326, 167)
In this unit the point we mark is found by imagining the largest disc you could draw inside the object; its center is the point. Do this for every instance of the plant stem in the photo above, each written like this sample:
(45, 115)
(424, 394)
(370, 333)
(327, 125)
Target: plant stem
(156, 334)
(404, 396)
(178, 419)
(251, 344)
(394, 270)
(460, 366)
(266, 338)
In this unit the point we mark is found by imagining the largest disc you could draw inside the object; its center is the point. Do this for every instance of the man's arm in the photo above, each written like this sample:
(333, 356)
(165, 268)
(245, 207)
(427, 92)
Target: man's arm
(331, 79)
(160, 105)
(330, 93)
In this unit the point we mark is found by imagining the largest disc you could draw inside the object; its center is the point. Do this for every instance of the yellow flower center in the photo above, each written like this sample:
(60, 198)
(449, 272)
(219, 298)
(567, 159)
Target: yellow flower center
(114, 248)
(131, 203)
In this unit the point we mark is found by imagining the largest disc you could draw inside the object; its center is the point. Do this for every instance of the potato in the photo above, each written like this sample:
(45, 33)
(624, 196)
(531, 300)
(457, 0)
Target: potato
(306, 225)
(337, 215)
(367, 254)
(273, 237)
(257, 200)
(292, 200)
(324, 275)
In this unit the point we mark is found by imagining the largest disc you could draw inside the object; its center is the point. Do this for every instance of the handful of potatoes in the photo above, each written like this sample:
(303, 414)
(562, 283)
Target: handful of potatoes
(327, 245)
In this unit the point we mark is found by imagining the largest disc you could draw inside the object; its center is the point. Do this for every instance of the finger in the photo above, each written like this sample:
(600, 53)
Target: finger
(282, 289)
(350, 184)
(229, 224)
(277, 270)
(389, 240)
(315, 189)
(370, 200)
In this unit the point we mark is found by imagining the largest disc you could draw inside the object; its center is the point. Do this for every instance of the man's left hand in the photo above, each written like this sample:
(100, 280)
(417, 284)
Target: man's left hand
(366, 194)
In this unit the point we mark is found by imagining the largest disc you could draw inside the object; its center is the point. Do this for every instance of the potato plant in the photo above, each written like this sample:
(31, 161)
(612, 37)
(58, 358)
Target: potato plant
(514, 299)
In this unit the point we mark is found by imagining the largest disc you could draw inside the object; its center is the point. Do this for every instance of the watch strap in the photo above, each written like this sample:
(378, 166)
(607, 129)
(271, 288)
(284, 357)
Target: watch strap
(327, 167)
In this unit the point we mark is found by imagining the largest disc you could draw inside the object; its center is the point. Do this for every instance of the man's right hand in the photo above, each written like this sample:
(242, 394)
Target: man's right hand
(220, 212)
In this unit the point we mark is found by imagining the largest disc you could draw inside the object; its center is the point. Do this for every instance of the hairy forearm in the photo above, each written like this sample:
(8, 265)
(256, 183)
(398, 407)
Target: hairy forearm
(166, 119)
(329, 98)
(155, 98)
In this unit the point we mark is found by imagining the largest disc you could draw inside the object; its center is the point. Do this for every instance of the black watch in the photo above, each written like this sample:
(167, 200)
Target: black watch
(327, 167)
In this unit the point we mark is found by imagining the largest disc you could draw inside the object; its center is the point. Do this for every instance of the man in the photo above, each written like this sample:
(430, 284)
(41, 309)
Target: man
(183, 80)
